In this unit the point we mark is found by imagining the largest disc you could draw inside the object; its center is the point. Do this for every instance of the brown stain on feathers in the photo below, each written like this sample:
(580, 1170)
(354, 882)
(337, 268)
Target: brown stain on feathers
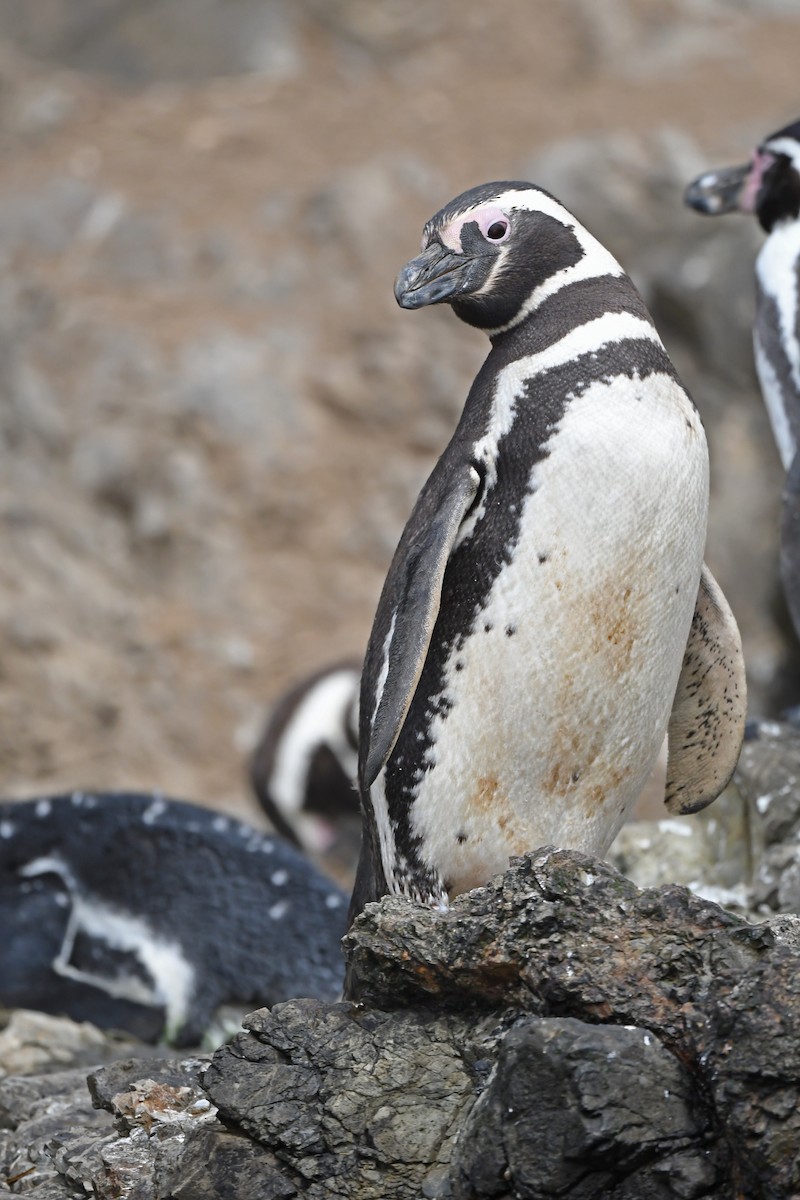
(490, 802)
(581, 770)
(614, 626)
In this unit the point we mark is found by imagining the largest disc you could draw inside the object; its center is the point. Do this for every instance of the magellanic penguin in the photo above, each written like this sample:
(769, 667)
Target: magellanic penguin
(303, 770)
(547, 617)
(141, 913)
(768, 186)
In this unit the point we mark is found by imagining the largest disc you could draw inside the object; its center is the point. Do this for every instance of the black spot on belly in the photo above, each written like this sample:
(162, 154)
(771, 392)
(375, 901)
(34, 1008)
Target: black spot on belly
(461, 838)
(488, 627)
(543, 558)
(510, 630)
(459, 665)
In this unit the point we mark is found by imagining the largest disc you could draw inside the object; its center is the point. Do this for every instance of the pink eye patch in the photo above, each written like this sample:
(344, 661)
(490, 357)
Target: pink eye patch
(492, 222)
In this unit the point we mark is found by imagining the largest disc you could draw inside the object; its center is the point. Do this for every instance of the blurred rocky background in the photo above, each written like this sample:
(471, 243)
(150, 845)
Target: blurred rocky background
(213, 418)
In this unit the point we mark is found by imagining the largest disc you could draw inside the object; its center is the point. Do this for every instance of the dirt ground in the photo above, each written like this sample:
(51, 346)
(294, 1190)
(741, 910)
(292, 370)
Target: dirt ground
(214, 418)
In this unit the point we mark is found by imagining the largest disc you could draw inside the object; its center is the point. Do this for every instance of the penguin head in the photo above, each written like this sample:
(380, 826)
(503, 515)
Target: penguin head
(768, 185)
(486, 252)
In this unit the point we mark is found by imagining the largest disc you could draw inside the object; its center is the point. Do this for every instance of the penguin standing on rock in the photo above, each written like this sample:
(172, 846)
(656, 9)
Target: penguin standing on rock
(768, 186)
(547, 617)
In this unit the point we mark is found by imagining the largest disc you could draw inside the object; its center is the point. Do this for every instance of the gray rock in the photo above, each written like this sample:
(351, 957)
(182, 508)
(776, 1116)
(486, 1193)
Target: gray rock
(32, 1042)
(155, 1136)
(135, 45)
(38, 1114)
(230, 380)
(135, 248)
(46, 219)
(370, 1100)
(768, 778)
(573, 1107)
(563, 935)
(709, 851)
(768, 775)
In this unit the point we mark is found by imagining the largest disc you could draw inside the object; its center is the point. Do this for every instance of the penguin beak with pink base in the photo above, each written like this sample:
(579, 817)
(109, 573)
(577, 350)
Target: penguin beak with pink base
(768, 186)
(730, 189)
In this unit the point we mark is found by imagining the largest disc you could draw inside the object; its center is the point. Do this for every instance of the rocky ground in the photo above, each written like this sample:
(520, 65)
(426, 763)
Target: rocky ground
(559, 1032)
(213, 419)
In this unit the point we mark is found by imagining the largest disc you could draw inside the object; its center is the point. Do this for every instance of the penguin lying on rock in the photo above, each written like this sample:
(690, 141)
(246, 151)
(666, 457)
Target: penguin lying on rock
(768, 186)
(547, 617)
(303, 770)
(146, 914)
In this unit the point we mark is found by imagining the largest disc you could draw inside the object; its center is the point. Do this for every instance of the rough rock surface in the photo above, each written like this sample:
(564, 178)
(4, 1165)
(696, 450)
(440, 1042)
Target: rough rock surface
(767, 777)
(559, 1032)
(32, 1043)
(143, 1129)
(561, 935)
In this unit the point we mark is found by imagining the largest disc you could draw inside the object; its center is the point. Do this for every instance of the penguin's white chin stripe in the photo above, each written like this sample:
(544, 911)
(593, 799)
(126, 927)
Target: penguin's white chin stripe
(787, 146)
(594, 263)
(534, 200)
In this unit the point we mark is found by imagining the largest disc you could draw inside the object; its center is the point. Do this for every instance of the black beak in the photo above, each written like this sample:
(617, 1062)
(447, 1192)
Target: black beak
(717, 192)
(434, 276)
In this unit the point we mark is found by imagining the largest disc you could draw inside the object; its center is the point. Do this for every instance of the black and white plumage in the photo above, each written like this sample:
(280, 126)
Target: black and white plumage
(768, 186)
(547, 615)
(147, 914)
(303, 770)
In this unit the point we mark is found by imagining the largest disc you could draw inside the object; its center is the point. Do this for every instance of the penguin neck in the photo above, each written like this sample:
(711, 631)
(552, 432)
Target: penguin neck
(573, 305)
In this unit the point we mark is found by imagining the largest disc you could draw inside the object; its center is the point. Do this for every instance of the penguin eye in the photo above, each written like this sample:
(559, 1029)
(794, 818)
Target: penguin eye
(497, 231)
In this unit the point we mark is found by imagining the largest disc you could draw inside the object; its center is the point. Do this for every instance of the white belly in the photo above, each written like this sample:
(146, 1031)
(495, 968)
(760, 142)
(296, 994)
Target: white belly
(565, 688)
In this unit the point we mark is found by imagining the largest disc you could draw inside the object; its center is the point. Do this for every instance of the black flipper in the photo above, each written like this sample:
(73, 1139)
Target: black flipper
(407, 612)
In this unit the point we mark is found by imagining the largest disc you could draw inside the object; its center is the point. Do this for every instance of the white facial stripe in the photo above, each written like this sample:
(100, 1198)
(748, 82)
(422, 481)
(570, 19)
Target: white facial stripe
(595, 262)
(787, 146)
(533, 200)
(320, 718)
